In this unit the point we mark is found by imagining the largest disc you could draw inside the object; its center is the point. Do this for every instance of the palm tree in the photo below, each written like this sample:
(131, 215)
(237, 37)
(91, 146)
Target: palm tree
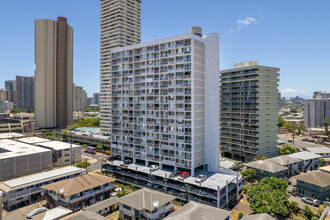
(325, 123)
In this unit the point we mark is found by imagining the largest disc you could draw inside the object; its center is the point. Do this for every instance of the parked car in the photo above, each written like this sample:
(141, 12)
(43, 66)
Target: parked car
(90, 150)
(290, 141)
(35, 212)
(305, 139)
(292, 190)
(174, 174)
(200, 178)
(184, 175)
(127, 161)
(154, 167)
(221, 192)
(310, 201)
(114, 157)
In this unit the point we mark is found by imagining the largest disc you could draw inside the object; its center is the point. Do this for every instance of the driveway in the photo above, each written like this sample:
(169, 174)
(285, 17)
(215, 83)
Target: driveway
(302, 204)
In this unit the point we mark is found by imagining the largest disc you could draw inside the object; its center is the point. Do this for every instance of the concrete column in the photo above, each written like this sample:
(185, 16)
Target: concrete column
(227, 192)
(218, 196)
(1, 194)
(237, 187)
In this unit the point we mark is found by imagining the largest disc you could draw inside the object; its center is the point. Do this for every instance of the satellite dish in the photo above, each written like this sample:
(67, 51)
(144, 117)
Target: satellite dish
(62, 189)
(155, 203)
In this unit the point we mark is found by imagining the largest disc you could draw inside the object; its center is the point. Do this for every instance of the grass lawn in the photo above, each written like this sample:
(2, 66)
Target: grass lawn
(113, 216)
(177, 205)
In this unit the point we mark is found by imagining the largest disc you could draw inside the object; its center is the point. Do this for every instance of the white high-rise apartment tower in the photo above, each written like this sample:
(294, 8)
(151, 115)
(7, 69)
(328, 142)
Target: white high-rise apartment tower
(164, 102)
(120, 26)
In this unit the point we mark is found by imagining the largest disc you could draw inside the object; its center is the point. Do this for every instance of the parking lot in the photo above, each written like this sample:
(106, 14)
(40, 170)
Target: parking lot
(21, 212)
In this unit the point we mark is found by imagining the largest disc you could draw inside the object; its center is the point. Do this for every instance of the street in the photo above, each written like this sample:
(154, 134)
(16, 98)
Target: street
(298, 143)
(94, 159)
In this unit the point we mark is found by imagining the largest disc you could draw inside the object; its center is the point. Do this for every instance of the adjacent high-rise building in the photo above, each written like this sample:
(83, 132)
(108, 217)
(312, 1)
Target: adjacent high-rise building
(120, 26)
(54, 69)
(10, 85)
(80, 98)
(25, 91)
(317, 109)
(164, 105)
(7, 95)
(248, 111)
(96, 99)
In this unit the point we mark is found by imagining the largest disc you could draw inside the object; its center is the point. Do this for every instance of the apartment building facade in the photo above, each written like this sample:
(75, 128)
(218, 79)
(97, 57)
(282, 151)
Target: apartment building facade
(54, 69)
(120, 26)
(248, 111)
(10, 85)
(25, 91)
(163, 104)
(80, 98)
(317, 109)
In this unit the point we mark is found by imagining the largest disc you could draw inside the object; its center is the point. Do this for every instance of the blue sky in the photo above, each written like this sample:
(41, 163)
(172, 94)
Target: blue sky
(292, 35)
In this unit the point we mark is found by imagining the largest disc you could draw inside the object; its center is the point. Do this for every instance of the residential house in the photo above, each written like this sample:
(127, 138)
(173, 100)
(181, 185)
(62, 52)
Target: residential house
(145, 203)
(265, 168)
(79, 192)
(27, 189)
(105, 207)
(289, 162)
(262, 216)
(322, 151)
(196, 211)
(84, 215)
(309, 161)
(315, 184)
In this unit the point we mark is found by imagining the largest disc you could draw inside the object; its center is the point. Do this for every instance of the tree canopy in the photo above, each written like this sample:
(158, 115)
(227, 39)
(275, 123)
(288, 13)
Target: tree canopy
(260, 157)
(269, 196)
(249, 174)
(287, 149)
(90, 122)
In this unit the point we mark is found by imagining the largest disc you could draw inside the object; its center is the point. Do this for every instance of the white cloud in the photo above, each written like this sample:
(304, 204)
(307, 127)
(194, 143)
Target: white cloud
(243, 22)
(292, 92)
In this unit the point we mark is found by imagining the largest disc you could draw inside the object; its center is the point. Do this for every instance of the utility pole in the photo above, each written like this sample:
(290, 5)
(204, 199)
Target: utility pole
(71, 147)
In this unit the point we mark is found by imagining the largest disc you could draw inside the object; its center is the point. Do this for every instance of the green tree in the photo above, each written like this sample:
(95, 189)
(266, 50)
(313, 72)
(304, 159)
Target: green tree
(260, 157)
(280, 121)
(249, 174)
(99, 147)
(83, 164)
(320, 211)
(290, 126)
(240, 215)
(301, 127)
(269, 196)
(325, 123)
(64, 133)
(322, 161)
(287, 149)
(294, 206)
(307, 213)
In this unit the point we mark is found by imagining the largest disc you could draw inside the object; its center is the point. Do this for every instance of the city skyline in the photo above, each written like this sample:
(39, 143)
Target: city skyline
(267, 32)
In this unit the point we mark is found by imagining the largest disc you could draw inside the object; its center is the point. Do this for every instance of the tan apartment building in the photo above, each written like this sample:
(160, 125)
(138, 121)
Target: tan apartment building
(120, 27)
(53, 75)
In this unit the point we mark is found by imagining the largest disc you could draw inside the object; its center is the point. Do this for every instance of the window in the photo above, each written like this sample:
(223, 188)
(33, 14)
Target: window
(127, 217)
(127, 207)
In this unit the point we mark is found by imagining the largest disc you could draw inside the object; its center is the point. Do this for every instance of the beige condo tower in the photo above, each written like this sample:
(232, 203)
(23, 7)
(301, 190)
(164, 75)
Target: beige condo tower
(120, 27)
(54, 73)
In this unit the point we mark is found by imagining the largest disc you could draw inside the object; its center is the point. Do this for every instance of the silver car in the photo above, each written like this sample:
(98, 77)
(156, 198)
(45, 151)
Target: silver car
(35, 212)
(310, 201)
(200, 178)
(154, 167)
